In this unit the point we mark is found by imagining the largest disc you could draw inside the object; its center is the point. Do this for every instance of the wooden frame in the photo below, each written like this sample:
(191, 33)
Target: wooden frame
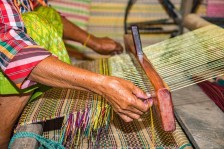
(163, 100)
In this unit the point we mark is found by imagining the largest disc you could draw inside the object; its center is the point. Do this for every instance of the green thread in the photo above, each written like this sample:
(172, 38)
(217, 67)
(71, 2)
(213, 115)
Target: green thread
(185, 145)
(45, 143)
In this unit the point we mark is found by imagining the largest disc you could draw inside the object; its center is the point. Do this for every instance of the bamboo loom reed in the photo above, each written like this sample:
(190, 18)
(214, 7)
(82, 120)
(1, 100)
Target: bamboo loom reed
(187, 64)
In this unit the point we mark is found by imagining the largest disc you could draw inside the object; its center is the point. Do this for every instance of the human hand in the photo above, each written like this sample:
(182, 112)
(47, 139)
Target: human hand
(107, 46)
(127, 100)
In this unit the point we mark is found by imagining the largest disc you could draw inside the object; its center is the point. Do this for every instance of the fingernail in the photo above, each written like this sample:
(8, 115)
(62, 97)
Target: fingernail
(148, 95)
(150, 101)
(145, 101)
(153, 94)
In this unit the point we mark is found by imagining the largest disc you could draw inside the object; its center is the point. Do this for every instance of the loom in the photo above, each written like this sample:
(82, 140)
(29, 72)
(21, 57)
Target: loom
(83, 118)
(163, 100)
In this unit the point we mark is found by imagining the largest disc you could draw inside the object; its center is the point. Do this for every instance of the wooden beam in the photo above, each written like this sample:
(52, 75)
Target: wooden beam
(193, 21)
(28, 143)
(163, 100)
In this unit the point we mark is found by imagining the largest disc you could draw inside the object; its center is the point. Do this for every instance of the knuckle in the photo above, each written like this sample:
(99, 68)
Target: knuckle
(125, 106)
(136, 116)
(130, 101)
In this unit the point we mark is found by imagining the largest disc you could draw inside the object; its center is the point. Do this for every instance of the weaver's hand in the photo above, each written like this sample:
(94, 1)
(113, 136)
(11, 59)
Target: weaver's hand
(107, 46)
(102, 45)
(127, 100)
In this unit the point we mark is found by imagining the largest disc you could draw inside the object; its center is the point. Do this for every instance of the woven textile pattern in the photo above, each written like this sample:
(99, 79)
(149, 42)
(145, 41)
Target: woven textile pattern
(83, 112)
(50, 27)
(107, 18)
(138, 134)
(77, 11)
(190, 58)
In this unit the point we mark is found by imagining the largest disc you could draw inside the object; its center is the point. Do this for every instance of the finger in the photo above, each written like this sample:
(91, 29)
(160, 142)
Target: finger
(134, 110)
(130, 114)
(149, 102)
(140, 93)
(119, 47)
(115, 53)
(119, 52)
(125, 117)
(139, 105)
(122, 108)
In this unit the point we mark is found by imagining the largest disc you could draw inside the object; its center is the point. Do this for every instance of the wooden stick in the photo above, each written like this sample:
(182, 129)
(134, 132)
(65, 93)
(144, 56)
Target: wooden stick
(26, 143)
(163, 101)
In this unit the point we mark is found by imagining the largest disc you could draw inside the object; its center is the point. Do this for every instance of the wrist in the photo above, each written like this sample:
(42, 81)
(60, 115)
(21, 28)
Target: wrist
(87, 80)
(96, 83)
(87, 40)
(93, 43)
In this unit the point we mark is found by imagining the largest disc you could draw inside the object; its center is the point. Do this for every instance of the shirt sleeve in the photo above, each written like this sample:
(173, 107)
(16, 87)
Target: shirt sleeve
(19, 54)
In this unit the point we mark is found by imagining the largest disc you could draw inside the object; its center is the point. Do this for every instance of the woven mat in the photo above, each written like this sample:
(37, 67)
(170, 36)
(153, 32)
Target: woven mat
(87, 106)
(137, 134)
(57, 103)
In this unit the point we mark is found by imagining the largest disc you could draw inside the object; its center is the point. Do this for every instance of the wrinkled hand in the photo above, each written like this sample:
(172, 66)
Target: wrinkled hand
(107, 46)
(127, 100)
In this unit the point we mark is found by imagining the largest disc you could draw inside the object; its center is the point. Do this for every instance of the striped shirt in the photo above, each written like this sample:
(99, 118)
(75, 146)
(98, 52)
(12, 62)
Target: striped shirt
(19, 54)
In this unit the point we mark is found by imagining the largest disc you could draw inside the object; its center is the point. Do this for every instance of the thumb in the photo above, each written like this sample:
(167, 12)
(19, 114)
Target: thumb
(149, 101)
(140, 93)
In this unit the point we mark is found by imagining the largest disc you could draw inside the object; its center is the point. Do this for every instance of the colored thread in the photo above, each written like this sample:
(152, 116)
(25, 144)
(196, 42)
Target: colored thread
(45, 143)
(215, 92)
(87, 39)
(185, 145)
(152, 126)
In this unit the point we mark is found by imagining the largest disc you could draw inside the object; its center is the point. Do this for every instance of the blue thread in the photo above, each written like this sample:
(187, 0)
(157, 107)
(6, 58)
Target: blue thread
(220, 82)
(185, 145)
(45, 143)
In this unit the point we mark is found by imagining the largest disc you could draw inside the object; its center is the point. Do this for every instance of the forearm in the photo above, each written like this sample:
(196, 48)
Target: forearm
(55, 73)
(121, 94)
(101, 45)
(73, 32)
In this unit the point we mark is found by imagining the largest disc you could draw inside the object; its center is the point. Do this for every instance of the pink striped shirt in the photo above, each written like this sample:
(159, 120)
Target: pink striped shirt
(19, 54)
